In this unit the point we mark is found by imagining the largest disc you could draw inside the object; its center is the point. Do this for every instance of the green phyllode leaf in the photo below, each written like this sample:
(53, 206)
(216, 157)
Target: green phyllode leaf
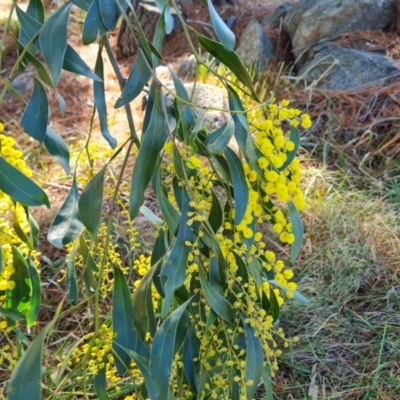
(19, 187)
(153, 141)
(217, 302)
(36, 114)
(34, 302)
(217, 142)
(26, 377)
(17, 299)
(297, 229)
(162, 350)
(174, 269)
(240, 189)
(35, 10)
(224, 34)
(143, 306)
(100, 99)
(229, 59)
(123, 324)
(138, 77)
(67, 224)
(91, 202)
(254, 360)
(53, 40)
(74, 63)
(57, 148)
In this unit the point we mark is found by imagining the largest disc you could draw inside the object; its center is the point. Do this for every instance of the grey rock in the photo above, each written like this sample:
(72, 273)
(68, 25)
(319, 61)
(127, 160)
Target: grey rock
(22, 84)
(311, 21)
(336, 68)
(273, 20)
(204, 96)
(255, 48)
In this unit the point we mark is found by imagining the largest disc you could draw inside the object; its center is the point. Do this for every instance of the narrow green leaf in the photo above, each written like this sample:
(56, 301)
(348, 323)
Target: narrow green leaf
(275, 309)
(25, 237)
(56, 146)
(266, 378)
(216, 216)
(143, 306)
(229, 59)
(33, 228)
(29, 28)
(100, 383)
(191, 352)
(153, 141)
(143, 364)
(91, 201)
(168, 211)
(19, 187)
(240, 189)
(92, 24)
(217, 141)
(174, 268)
(159, 37)
(61, 104)
(166, 15)
(13, 315)
(26, 377)
(74, 63)
(100, 98)
(297, 229)
(109, 13)
(162, 350)
(255, 268)
(123, 323)
(242, 130)
(254, 359)
(35, 10)
(36, 114)
(18, 298)
(224, 34)
(1, 259)
(72, 284)
(295, 138)
(34, 302)
(83, 4)
(88, 261)
(138, 77)
(217, 302)
(39, 67)
(53, 40)
(254, 155)
(67, 224)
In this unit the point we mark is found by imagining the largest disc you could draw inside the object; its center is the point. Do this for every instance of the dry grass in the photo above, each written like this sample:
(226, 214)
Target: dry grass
(350, 267)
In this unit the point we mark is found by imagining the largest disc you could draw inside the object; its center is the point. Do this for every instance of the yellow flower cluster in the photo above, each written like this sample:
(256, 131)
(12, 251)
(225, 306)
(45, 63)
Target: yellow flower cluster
(9, 211)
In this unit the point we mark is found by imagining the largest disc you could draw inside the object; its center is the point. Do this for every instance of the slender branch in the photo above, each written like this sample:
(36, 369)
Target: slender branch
(121, 82)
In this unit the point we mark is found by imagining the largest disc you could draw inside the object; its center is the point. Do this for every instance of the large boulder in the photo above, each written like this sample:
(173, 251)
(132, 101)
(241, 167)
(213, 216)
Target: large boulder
(311, 21)
(336, 68)
(273, 20)
(255, 49)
